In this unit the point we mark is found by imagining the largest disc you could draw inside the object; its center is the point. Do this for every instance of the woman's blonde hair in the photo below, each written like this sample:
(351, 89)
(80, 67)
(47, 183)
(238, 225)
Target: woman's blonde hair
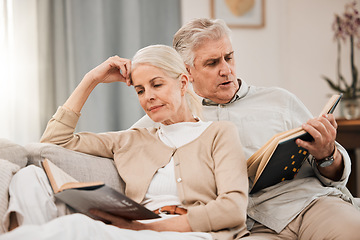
(171, 63)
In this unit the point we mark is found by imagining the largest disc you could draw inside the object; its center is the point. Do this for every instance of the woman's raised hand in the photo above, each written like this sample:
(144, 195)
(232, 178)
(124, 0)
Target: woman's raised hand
(114, 69)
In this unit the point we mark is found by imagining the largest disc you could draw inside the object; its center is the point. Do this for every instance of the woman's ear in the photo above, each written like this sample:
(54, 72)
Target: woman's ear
(184, 82)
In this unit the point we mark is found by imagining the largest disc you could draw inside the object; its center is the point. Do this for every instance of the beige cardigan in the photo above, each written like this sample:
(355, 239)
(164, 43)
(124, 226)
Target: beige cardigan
(210, 171)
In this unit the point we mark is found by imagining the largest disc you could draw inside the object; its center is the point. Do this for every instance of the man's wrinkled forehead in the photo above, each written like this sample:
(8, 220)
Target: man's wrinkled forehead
(212, 49)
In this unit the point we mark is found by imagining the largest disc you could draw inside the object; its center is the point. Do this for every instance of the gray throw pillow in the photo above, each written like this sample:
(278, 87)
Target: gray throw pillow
(7, 170)
(82, 167)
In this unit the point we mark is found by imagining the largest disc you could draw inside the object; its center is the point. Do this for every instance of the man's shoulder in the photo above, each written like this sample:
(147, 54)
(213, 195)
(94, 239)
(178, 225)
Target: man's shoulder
(270, 90)
(274, 96)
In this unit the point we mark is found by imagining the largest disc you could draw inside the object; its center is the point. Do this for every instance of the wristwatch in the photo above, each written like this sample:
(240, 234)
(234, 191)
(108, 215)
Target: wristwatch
(325, 162)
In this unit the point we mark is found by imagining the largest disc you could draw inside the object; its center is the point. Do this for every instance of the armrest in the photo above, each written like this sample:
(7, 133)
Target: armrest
(82, 167)
(13, 152)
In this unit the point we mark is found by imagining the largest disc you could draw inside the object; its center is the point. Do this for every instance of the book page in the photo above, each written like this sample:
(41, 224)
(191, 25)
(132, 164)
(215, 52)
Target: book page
(70, 185)
(56, 175)
(331, 104)
(257, 156)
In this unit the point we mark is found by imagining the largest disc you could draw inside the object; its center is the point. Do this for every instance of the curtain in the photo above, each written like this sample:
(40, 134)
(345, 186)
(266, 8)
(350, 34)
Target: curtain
(19, 86)
(72, 37)
(81, 34)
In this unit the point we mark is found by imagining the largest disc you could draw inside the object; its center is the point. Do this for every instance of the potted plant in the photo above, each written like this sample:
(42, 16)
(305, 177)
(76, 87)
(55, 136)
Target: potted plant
(347, 28)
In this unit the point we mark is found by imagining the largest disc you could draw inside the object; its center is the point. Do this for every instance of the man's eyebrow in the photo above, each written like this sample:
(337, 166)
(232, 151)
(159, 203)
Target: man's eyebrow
(230, 53)
(217, 58)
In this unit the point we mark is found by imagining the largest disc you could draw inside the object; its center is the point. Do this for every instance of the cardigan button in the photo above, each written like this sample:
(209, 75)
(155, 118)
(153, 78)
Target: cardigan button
(179, 180)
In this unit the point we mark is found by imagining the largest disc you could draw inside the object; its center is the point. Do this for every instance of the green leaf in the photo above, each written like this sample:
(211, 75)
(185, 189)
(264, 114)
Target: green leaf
(342, 80)
(333, 85)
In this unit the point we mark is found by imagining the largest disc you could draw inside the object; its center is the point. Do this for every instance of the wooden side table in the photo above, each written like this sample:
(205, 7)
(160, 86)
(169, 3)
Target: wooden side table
(348, 135)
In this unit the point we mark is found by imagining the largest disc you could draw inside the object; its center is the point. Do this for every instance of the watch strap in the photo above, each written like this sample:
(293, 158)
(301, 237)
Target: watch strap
(328, 161)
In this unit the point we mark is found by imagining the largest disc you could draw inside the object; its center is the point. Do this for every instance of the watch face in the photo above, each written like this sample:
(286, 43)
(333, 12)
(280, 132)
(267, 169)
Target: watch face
(326, 162)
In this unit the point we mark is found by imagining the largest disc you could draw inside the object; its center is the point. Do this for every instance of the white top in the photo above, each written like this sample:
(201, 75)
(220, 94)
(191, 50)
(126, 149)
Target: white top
(162, 190)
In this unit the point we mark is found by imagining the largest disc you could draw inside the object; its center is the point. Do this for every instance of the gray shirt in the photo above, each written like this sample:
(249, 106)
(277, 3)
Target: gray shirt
(259, 113)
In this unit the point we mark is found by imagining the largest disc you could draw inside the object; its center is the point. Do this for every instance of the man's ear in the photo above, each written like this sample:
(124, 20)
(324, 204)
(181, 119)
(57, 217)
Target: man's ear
(191, 79)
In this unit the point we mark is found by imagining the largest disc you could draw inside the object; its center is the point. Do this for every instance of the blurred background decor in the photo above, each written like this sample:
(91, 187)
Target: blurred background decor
(347, 31)
(46, 46)
(240, 13)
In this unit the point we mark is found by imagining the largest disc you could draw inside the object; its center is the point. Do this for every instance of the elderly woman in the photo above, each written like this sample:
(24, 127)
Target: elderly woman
(195, 166)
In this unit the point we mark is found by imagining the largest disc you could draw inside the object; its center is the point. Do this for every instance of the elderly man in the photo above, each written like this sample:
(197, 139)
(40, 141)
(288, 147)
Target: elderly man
(311, 206)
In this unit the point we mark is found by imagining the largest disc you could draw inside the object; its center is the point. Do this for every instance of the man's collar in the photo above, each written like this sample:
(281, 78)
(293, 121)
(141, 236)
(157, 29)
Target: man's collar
(243, 90)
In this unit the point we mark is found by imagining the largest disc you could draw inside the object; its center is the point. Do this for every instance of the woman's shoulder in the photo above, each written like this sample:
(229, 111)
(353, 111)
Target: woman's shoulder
(222, 131)
(147, 131)
(133, 134)
(222, 126)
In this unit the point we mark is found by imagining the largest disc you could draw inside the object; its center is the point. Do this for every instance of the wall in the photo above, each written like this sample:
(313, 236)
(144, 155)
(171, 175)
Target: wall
(292, 51)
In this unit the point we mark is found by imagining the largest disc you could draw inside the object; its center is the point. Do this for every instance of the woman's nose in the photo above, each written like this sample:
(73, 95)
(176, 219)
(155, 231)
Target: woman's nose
(149, 95)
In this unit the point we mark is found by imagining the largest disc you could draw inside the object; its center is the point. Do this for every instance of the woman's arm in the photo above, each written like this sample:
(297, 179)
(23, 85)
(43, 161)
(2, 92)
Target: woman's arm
(60, 129)
(228, 209)
(114, 69)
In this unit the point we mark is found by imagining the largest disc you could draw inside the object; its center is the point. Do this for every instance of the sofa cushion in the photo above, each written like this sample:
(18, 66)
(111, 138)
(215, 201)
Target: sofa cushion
(82, 167)
(7, 170)
(13, 152)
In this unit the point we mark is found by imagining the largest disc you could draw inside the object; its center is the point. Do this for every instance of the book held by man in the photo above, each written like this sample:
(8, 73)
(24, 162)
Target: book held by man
(280, 158)
(82, 196)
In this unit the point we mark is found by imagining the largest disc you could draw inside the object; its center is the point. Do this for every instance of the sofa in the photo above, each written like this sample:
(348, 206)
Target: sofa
(83, 167)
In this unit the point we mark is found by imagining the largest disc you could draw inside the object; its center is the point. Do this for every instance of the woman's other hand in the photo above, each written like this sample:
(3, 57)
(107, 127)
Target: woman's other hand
(114, 69)
(117, 221)
(178, 224)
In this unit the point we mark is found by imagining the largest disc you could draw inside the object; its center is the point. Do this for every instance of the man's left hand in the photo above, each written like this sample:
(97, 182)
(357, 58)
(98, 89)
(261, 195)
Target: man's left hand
(323, 130)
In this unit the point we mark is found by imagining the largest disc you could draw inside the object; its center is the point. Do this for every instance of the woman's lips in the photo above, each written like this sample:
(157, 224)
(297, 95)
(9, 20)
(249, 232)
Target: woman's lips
(155, 108)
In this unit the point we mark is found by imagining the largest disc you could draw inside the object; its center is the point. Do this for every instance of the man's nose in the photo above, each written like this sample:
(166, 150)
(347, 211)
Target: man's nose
(225, 69)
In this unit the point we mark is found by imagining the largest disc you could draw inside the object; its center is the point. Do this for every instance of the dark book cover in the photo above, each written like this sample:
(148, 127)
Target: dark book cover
(284, 164)
(106, 199)
(288, 157)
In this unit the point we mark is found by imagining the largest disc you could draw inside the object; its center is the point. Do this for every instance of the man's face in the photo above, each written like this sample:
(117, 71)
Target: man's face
(213, 75)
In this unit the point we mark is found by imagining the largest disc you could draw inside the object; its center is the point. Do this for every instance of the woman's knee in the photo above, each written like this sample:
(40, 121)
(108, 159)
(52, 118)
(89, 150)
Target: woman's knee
(28, 174)
(29, 179)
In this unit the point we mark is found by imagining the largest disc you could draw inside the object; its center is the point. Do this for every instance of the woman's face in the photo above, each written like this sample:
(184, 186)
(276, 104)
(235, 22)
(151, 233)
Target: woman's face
(161, 96)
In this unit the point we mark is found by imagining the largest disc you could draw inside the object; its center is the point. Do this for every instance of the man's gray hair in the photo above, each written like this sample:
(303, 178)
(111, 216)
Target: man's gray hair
(193, 34)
